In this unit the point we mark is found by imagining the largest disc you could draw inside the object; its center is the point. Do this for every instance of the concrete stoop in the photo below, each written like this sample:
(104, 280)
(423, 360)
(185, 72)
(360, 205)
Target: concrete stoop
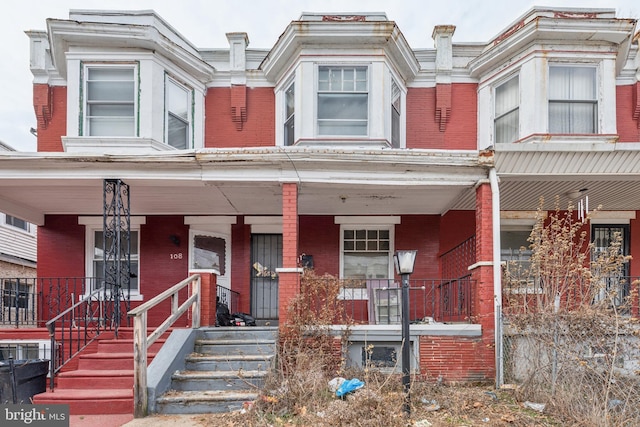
(226, 369)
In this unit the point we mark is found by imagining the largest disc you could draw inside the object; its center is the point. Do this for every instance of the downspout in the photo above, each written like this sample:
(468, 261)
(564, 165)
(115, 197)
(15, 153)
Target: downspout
(497, 274)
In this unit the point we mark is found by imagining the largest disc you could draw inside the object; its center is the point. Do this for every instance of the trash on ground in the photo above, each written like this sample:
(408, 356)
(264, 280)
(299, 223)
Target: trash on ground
(335, 384)
(349, 386)
(535, 406)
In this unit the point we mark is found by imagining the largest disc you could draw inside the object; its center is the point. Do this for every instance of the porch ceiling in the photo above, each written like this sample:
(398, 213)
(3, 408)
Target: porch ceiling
(240, 183)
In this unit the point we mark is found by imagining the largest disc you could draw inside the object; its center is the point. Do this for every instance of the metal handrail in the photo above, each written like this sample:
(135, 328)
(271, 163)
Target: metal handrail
(141, 341)
(57, 355)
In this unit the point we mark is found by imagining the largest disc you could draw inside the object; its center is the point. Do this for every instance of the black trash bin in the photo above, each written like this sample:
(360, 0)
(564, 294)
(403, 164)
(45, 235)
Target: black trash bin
(20, 382)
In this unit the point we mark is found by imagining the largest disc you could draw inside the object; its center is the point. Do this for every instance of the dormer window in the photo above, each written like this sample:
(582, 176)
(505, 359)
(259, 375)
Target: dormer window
(178, 112)
(343, 101)
(110, 101)
(507, 111)
(573, 102)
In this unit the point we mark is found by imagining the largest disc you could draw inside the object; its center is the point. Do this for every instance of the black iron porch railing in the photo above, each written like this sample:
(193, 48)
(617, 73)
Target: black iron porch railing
(228, 297)
(379, 301)
(19, 302)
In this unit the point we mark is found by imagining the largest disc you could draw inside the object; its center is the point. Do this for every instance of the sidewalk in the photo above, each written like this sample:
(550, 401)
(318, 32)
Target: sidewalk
(127, 420)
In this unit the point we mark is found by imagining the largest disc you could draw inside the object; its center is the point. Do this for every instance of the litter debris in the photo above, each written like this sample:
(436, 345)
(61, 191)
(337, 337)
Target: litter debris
(492, 395)
(535, 406)
(349, 386)
(432, 405)
(613, 403)
(335, 384)
(423, 423)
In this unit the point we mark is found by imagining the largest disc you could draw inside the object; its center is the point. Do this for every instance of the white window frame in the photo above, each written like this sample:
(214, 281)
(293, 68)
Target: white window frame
(93, 224)
(289, 136)
(515, 109)
(371, 223)
(318, 93)
(223, 280)
(169, 80)
(8, 221)
(395, 106)
(595, 102)
(85, 118)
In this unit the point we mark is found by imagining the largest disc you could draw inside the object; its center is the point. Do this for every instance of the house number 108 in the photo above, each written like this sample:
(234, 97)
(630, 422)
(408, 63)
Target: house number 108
(176, 256)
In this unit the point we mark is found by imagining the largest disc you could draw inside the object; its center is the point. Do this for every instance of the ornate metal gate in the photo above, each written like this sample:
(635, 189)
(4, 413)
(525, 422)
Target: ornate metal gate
(116, 248)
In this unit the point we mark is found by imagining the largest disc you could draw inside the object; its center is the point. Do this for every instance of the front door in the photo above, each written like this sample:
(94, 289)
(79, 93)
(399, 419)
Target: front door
(603, 236)
(266, 257)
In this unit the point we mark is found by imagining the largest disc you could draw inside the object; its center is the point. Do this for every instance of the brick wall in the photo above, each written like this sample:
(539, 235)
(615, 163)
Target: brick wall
(456, 359)
(50, 128)
(320, 237)
(289, 282)
(241, 263)
(258, 129)
(423, 130)
(628, 101)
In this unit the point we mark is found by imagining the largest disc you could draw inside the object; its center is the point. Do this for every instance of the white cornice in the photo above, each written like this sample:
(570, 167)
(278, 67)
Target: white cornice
(343, 35)
(63, 34)
(538, 26)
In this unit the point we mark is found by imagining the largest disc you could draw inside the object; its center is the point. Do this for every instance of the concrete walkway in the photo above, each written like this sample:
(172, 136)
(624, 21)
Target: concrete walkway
(127, 420)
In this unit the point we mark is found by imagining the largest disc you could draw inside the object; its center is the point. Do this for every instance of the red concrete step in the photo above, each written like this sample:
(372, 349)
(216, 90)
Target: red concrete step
(109, 361)
(89, 401)
(125, 345)
(98, 379)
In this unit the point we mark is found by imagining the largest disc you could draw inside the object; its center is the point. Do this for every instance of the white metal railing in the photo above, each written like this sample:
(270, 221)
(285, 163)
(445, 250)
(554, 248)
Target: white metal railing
(141, 341)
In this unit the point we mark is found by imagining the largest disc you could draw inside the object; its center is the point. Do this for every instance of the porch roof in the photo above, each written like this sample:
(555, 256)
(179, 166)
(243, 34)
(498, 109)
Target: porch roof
(608, 172)
(243, 181)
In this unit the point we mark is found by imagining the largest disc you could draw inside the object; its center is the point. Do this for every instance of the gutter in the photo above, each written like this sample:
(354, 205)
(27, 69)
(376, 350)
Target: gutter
(497, 275)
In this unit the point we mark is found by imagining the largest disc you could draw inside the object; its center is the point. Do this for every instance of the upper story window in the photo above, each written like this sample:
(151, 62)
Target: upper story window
(396, 109)
(110, 108)
(343, 100)
(507, 111)
(289, 115)
(178, 114)
(16, 222)
(573, 102)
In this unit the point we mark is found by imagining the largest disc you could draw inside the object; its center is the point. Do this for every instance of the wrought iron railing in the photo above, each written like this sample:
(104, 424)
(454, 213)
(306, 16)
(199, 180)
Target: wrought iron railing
(19, 302)
(379, 301)
(228, 297)
(76, 327)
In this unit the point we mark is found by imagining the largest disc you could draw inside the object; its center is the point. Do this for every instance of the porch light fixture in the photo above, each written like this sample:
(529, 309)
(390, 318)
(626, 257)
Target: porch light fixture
(404, 261)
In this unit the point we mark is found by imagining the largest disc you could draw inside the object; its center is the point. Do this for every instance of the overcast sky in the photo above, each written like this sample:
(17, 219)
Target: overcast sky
(205, 22)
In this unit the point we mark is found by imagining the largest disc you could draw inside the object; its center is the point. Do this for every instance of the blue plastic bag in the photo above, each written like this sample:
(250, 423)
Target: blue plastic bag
(348, 386)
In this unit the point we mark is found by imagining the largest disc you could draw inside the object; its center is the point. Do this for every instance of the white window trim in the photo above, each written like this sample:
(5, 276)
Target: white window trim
(316, 85)
(93, 224)
(190, 112)
(369, 226)
(494, 100)
(30, 227)
(83, 120)
(597, 66)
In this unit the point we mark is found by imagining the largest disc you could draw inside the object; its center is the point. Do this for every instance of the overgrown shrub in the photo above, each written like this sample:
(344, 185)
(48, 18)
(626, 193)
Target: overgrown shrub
(571, 343)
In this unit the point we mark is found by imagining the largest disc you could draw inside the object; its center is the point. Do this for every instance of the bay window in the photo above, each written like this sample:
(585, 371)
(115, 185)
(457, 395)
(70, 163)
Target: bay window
(177, 114)
(573, 105)
(110, 103)
(343, 100)
(507, 111)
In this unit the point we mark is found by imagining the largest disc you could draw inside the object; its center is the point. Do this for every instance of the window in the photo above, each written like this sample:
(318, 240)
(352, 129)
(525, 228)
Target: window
(177, 105)
(507, 113)
(289, 134)
(343, 101)
(572, 99)
(366, 253)
(15, 295)
(98, 259)
(110, 101)
(209, 253)
(16, 222)
(395, 115)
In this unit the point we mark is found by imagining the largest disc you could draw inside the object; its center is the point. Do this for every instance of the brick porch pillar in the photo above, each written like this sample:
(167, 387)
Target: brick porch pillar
(483, 310)
(208, 287)
(289, 274)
